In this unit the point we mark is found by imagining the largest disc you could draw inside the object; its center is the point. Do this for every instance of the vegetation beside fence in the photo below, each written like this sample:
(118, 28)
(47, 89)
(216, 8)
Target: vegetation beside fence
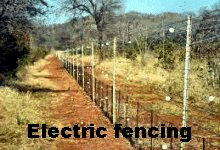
(131, 112)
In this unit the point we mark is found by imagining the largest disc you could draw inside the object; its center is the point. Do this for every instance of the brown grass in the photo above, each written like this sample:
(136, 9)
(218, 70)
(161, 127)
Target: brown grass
(18, 109)
(165, 83)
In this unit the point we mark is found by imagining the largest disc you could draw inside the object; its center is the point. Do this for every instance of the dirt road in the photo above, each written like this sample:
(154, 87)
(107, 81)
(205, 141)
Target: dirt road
(76, 108)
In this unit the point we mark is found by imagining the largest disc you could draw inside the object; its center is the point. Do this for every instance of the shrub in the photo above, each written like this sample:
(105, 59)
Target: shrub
(130, 51)
(130, 54)
(37, 53)
(167, 56)
(12, 50)
(214, 71)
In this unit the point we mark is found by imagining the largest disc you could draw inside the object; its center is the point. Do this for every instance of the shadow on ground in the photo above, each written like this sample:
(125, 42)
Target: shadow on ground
(25, 88)
(45, 76)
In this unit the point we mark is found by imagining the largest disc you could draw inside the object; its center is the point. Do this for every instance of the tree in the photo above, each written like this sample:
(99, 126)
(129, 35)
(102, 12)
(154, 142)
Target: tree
(100, 10)
(15, 29)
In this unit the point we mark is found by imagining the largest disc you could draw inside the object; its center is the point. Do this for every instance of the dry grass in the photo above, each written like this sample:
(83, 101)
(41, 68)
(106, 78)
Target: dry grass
(167, 83)
(134, 72)
(18, 109)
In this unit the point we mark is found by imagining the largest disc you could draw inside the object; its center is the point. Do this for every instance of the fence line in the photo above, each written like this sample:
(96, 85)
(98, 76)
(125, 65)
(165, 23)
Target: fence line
(130, 113)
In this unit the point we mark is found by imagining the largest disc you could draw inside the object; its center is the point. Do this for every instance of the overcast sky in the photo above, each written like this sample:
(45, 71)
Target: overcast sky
(147, 6)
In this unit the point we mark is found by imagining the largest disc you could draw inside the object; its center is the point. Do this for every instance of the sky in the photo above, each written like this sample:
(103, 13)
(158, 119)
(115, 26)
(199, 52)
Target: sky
(146, 6)
(157, 6)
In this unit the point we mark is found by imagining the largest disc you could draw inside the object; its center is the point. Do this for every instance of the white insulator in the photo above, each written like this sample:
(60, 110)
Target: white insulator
(171, 30)
(211, 98)
(164, 146)
(167, 98)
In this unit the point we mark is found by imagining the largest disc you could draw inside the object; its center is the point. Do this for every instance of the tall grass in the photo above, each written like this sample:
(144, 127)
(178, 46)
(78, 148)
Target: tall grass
(17, 111)
(166, 82)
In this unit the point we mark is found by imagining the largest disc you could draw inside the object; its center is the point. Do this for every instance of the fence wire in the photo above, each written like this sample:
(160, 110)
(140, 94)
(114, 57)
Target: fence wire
(133, 113)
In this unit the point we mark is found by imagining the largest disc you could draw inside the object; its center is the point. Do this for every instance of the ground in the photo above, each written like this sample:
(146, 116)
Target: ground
(64, 104)
(76, 108)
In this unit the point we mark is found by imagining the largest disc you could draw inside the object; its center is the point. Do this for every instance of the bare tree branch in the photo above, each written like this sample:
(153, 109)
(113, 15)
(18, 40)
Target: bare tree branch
(101, 10)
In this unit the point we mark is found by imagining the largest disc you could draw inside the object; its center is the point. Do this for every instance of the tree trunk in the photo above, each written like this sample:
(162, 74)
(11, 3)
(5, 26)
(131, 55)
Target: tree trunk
(101, 55)
(100, 38)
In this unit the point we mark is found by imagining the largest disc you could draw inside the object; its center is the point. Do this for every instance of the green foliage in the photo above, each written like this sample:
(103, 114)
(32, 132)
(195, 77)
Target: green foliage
(12, 50)
(214, 71)
(15, 29)
(130, 51)
(167, 55)
(38, 53)
(108, 52)
(130, 54)
(34, 55)
(71, 52)
(87, 51)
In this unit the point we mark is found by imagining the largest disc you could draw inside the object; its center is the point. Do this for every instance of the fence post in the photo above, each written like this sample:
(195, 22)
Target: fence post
(137, 141)
(82, 69)
(73, 66)
(95, 90)
(77, 71)
(93, 75)
(106, 98)
(72, 63)
(103, 95)
(101, 99)
(86, 81)
(68, 64)
(68, 55)
(187, 59)
(163, 44)
(90, 85)
(137, 112)
(100, 102)
(171, 140)
(126, 112)
(114, 96)
(65, 60)
(118, 103)
(100, 92)
(203, 141)
(151, 140)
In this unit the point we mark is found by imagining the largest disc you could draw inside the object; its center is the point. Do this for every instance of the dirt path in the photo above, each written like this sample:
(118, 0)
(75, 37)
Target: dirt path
(76, 108)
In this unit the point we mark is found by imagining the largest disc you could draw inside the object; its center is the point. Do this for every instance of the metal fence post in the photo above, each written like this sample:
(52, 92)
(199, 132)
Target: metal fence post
(118, 104)
(151, 140)
(114, 96)
(126, 112)
(77, 71)
(203, 141)
(107, 99)
(93, 75)
(82, 69)
(187, 61)
(137, 142)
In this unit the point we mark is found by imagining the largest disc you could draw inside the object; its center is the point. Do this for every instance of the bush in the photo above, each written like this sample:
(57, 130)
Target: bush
(33, 56)
(214, 71)
(12, 50)
(130, 54)
(87, 51)
(130, 51)
(37, 53)
(167, 57)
